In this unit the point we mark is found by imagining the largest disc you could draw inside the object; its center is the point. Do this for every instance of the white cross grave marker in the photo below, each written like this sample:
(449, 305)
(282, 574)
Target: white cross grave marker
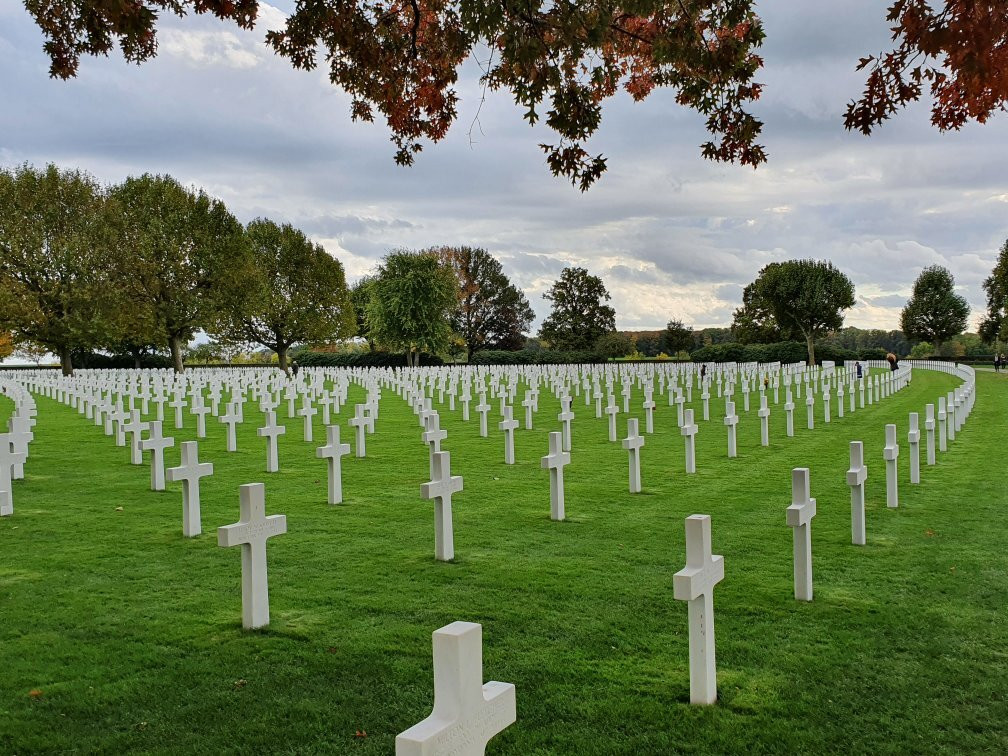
(467, 713)
(633, 443)
(695, 584)
(271, 431)
(440, 488)
(689, 431)
(731, 421)
(890, 454)
(799, 519)
(333, 452)
(251, 532)
(508, 425)
(764, 416)
(856, 477)
(913, 438)
(359, 423)
(555, 462)
(156, 445)
(929, 426)
(189, 473)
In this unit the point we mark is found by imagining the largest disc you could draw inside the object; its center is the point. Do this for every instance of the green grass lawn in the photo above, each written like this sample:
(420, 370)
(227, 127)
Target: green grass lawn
(117, 634)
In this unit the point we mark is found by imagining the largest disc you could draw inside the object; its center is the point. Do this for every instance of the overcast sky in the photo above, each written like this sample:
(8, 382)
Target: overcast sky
(671, 234)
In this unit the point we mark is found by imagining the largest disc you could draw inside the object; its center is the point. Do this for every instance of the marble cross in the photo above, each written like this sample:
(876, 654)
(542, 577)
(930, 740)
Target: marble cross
(359, 423)
(565, 417)
(789, 411)
(929, 427)
(731, 421)
(555, 462)
(308, 412)
(942, 423)
(251, 533)
(612, 410)
(189, 473)
(890, 453)
(689, 431)
(433, 437)
(913, 438)
(467, 713)
(334, 452)
(856, 477)
(271, 431)
(764, 416)
(156, 445)
(135, 429)
(799, 519)
(508, 425)
(633, 443)
(483, 408)
(440, 488)
(230, 418)
(695, 585)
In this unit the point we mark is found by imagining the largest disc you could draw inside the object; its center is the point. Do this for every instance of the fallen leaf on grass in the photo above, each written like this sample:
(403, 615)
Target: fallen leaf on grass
(118, 509)
(332, 650)
(360, 734)
(929, 533)
(239, 684)
(141, 726)
(35, 694)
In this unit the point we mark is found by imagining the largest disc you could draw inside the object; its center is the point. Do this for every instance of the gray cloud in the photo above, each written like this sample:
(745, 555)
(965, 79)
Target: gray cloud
(671, 234)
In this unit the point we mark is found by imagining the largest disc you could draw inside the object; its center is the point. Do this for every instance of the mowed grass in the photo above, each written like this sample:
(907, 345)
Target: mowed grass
(119, 635)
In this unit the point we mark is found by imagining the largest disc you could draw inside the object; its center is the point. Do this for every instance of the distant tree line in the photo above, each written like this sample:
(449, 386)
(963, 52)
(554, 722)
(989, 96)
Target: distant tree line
(131, 273)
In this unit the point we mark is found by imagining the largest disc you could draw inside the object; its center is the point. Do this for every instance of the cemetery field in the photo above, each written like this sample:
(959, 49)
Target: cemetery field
(117, 634)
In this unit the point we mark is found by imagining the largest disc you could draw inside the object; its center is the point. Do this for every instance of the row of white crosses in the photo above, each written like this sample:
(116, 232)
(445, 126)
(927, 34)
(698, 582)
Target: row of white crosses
(14, 444)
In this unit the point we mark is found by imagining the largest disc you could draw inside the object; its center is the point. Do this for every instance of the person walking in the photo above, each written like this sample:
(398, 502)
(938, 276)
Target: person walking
(857, 366)
(997, 363)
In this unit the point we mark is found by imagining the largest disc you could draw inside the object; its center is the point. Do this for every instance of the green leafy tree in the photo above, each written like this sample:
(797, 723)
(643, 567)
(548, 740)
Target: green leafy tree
(807, 298)
(992, 326)
(182, 257)
(753, 322)
(492, 312)
(579, 316)
(922, 350)
(402, 60)
(613, 345)
(934, 311)
(293, 292)
(55, 236)
(412, 300)
(204, 354)
(677, 337)
(360, 298)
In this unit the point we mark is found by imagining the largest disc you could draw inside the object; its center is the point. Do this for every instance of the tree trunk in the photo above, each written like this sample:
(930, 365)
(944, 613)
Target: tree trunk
(176, 352)
(65, 362)
(136, 362)
(282, 360)
(810, 341)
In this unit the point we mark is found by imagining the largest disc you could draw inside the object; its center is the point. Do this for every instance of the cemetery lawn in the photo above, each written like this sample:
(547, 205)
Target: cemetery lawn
(119, 635)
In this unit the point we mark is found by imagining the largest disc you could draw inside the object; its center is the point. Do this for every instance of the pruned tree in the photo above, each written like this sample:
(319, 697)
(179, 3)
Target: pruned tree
(492, 312)
(401, 60)
(992, 326)
(677, 337)
(934, 312)
(957, 49)
(180, 259)
(411, 304)
(55, 233)
(578, 317)
(292, 292)
(807, 298)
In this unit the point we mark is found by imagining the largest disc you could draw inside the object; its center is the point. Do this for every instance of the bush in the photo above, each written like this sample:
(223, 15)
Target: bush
(308, 358)
(922, 351)
(783, 351)
(614, 345)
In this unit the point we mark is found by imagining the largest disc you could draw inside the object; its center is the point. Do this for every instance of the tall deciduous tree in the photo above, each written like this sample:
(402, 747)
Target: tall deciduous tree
(992, 326)
(753, 322)
(806, 297)
(360, 297)
(677, 337)
(934, 311)
(402, 59)
(958, 49)
(292, 292)
(180, 253)
(579, 316)
(492, 312)
(411, 304)
(54, 247)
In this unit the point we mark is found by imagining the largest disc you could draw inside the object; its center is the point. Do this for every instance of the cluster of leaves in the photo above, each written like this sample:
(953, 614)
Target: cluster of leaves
(957, 50)
(401, 58)
(934, 312)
